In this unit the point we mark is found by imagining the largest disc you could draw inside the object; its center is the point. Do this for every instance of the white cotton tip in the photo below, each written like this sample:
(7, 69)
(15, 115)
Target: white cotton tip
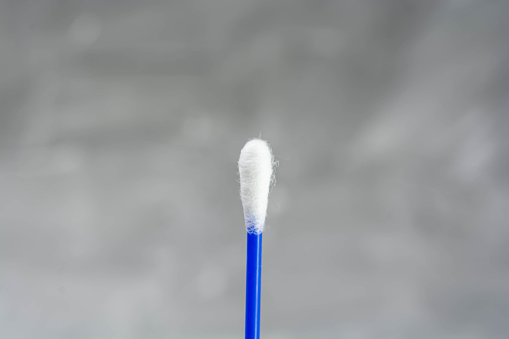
(255, 168)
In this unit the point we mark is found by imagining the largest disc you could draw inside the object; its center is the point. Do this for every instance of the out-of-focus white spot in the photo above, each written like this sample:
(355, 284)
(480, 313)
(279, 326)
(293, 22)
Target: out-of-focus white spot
(66, 159)
(211, 282)
(198, 129)
(85, 30)
(474, 157)
(379, 139)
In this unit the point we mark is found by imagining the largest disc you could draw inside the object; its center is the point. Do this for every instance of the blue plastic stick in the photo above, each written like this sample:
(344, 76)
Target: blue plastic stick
(253, 285)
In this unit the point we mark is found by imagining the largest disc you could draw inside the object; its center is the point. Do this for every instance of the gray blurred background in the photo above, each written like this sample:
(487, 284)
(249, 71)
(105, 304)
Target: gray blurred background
(120, 128)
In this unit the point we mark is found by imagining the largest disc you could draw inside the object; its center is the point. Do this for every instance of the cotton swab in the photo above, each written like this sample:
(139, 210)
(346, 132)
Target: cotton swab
(255, 168)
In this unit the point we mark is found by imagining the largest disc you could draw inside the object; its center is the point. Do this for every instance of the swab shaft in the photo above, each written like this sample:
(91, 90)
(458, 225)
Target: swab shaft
(253, 285)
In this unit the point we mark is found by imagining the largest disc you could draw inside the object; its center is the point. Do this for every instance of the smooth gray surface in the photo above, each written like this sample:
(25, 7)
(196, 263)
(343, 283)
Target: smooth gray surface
(121, 123)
